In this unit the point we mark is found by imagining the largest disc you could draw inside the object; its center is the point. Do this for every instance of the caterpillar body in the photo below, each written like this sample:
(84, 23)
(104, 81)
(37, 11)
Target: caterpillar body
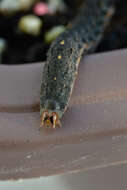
(64, 55)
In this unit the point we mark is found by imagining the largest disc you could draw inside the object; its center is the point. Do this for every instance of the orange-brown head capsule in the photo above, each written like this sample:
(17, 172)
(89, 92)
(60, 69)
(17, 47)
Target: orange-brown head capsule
(50, 120)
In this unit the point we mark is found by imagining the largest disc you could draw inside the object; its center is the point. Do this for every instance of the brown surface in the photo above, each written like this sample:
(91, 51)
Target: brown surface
(94, 132)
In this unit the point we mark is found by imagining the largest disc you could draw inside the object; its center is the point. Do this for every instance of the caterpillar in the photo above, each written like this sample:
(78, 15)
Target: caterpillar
(64, 55)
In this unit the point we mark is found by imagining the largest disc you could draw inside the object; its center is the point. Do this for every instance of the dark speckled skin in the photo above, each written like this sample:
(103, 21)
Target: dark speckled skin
(64, 55)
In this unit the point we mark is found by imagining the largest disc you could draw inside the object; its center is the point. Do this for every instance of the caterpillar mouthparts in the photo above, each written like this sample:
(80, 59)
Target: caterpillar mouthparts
(50, 120)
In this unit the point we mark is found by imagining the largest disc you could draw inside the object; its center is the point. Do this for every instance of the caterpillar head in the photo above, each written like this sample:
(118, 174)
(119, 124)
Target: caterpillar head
(50, 120)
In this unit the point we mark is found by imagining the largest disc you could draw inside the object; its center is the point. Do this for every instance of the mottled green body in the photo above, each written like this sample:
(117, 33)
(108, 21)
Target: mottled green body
(64, 55)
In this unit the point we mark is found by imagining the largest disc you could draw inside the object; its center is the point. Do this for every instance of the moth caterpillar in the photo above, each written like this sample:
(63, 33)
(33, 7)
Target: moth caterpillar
(64, 56)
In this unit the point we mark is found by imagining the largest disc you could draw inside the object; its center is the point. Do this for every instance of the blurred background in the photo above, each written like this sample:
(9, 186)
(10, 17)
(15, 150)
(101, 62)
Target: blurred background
(28, 27)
